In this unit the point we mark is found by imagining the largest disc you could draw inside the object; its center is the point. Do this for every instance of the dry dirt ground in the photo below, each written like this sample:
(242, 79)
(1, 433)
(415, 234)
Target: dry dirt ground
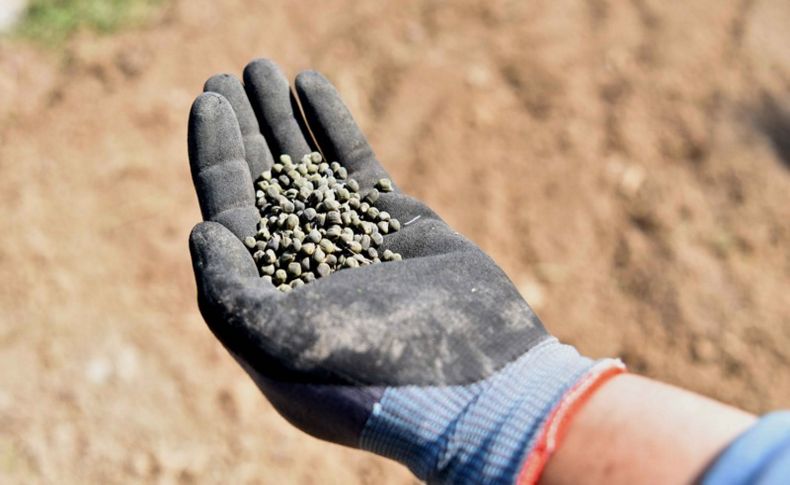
(627, 163)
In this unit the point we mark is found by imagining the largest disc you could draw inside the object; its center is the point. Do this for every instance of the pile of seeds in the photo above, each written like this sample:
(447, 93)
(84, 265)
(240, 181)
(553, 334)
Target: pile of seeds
(314, 221)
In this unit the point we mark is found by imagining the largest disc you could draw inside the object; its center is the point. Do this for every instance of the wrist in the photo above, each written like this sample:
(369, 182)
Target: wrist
(481, 431)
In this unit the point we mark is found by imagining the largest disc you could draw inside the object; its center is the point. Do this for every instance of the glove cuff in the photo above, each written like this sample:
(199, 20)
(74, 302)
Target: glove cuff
(481, 432)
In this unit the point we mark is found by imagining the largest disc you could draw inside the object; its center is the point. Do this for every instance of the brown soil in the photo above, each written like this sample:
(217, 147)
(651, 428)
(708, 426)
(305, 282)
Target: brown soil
(627, 162)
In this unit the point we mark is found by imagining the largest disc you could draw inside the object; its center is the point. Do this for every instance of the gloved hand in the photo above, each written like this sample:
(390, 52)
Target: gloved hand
(435, 360)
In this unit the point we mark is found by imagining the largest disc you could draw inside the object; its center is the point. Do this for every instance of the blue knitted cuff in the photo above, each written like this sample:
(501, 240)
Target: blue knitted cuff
(475, 433)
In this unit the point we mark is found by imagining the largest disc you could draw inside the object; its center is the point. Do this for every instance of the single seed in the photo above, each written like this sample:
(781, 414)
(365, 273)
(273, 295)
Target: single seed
(333, 217)
(327, 246)
(250, 242)
(384, 227)
(319, 256)
(280, 275)
(372, 196)
(273, 192)
(364, 241)
(387, 255)
(384, 185)
(292, 221)
(308, 248)
(323, 270)
(297, 283)
(331, 259)
(295, 269)
(351, 263)
(268, 269)
(354, 246)
(333, 231)
(394, 225)
(284, 288)
(377, 238)
(314, 236)
(353, 185)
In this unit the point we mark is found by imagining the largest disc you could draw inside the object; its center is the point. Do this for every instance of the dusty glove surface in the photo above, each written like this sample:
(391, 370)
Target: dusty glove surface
(324, 353)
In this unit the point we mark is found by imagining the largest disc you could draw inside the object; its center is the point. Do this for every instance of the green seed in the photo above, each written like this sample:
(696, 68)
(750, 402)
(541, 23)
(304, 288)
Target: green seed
(333, 231)
(333, 217)
(384, 185)
(308, 248)
(372, 196)
(327, 246)
(377, 238)
(323, 270)
(273, 192)
(295, 269)
(280, 275)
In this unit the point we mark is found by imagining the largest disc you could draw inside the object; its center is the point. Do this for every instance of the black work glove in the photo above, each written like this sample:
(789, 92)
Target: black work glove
(435, 360)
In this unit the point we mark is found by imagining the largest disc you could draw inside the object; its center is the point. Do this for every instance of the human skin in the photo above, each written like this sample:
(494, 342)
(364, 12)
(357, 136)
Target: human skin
(635, 430)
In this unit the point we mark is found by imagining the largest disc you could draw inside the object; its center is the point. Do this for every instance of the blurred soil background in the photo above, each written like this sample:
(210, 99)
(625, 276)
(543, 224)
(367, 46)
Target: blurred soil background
(626, 162)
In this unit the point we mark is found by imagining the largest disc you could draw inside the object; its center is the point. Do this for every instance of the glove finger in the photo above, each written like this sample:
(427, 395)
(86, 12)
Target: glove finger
(224, 269)
(278, 116)
(257, 152)
(219, 169)
(335, 130)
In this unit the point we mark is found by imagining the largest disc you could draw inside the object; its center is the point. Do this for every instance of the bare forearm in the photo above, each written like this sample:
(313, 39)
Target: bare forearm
(635, 430)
